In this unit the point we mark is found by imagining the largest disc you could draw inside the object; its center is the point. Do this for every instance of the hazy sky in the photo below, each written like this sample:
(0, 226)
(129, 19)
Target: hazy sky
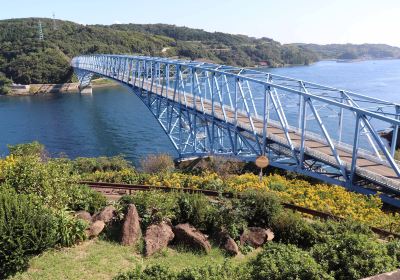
(287, 21)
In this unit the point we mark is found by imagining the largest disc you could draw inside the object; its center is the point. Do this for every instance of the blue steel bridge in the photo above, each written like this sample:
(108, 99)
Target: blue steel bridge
(208, 109)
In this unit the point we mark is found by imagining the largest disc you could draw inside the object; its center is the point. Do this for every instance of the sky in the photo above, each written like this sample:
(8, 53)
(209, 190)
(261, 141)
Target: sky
(287, 21)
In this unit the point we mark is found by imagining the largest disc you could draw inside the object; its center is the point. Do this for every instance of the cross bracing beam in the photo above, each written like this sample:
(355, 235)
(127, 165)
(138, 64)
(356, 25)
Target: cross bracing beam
(208, 109)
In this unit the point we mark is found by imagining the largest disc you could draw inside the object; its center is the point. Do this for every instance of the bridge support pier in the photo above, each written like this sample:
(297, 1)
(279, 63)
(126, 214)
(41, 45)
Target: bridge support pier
(86, 90)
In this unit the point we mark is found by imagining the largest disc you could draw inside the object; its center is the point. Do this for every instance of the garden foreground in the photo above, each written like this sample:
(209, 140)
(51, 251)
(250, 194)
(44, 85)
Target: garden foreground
(54, 227)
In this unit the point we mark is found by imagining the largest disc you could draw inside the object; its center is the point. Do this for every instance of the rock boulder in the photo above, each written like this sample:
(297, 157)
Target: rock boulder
(158, 237)
(96, 228)
(83, 215)
(256, 236)
(131, 231)
(231, 247)
(190, 236)
(228, 244)
(105, 215)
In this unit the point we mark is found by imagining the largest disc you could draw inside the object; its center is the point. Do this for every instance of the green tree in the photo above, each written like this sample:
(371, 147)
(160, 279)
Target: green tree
(4, 84)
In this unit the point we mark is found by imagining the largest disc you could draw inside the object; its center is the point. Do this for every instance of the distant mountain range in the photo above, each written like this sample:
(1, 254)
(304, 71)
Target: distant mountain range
(25, 59)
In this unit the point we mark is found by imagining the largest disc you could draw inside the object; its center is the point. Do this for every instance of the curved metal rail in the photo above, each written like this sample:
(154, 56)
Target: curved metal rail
(307, 128)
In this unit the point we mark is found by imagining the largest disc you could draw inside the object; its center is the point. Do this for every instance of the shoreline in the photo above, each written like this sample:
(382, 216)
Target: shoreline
(41, 89)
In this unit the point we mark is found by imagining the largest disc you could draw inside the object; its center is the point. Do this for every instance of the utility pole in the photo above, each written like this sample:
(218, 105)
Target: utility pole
(40, 31)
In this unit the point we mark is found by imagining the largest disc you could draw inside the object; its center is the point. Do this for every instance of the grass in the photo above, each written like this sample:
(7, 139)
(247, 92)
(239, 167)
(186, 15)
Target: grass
(97, 259)
(103, 81)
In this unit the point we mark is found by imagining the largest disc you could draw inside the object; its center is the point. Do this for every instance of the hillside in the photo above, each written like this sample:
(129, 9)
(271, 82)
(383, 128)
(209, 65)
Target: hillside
(224, 48)
(351, 51)
(25, 59)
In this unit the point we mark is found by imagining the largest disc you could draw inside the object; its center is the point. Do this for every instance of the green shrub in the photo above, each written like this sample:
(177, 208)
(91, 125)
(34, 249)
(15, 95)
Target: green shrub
(214, 272)
(195, 209)
(284, 262)
(230, 218)
(353, 256)
(260, 207)
(134, 274)
(207, 272)
(49, 180)
(26, 229)
(393, 249)
(27, 149)
(158, 272)
(84, 198)
(152, 206)
(69, 229)
(292, 228)
(90, 165)
(52, 182)
(124, 201)
(154, 272)
(331, 229)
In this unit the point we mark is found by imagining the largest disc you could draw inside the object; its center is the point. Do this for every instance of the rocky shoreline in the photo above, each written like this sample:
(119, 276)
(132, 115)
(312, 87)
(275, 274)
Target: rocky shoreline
(36, 89)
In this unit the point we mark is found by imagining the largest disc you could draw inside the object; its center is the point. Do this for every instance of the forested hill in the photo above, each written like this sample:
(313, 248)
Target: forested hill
(350, 51)
(25, 59)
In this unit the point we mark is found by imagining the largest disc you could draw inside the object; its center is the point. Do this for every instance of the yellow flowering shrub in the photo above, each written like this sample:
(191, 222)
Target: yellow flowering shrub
(209, 181)
(6, 164)
(327, 198)
(126, 175)
(244, 182)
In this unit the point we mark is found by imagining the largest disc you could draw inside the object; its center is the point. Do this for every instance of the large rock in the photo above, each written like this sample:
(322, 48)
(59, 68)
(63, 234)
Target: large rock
(96, 228)
(256, 236)
(131, 231)
(231, 247)
(228, 244)
(157, 237)
(188, 235)
(83, 215)
(105, 215)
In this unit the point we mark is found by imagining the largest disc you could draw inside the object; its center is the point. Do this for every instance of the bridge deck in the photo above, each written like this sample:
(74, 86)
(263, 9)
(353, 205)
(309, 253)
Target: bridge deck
(369, 169)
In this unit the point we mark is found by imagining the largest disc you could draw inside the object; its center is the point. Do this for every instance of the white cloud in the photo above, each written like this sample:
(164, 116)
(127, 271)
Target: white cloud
(117, 22)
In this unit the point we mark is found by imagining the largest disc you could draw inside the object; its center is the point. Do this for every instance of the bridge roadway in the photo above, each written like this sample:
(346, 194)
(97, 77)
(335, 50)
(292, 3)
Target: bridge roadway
(367, 168)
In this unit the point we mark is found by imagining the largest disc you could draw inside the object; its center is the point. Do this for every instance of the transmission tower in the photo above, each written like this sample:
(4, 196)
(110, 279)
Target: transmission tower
(40, 31)
(54, 22)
